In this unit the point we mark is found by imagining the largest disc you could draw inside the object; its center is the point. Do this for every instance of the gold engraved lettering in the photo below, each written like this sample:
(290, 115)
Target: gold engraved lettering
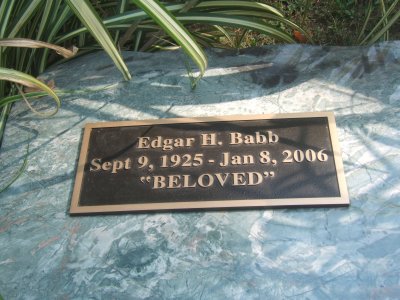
(207, 180)
(168, 144)
(208, 139)
(239, 179)
(115, 166)
(143, 142)
(236, 138)
(128, 164)
(159, 182)
(106, 166)
(249, 139)
(173, 181)
(255, 178)
(189, 142)
(222, 179)
(186, 182)
(119, 165)
(225, 161)
(205, 183)
(248, 159)
(95, 164)
(156, 143)
(179, 143)
(236, 159)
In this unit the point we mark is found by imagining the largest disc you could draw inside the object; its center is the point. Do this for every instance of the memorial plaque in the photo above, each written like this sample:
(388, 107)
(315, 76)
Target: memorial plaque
(279, 160)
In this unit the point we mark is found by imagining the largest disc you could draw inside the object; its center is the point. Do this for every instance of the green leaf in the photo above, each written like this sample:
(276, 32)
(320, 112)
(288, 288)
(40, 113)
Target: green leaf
(385, 29)
(88, 16)
(16, 176)
(61, 19)
(176, 30)
(5, 13)
(243, 5)
(121, 10)
(11, 99)
(267, 16)
(372, 36)
(226, 34)
(367, 18)
(24, 18)
(29, 81)
(5, 111)
(383, 11)
(45, 19)
(125, 20)
(252, 24)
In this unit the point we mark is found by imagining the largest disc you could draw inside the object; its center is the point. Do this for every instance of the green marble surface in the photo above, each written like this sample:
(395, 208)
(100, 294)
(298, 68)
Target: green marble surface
(313, 253)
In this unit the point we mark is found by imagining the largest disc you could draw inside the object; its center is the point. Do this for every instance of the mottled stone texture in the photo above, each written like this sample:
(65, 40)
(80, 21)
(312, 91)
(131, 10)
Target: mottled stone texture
(315, 253)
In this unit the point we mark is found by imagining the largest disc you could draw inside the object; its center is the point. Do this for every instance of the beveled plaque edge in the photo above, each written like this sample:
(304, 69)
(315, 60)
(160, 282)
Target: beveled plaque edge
(343, 200)
(80, 169)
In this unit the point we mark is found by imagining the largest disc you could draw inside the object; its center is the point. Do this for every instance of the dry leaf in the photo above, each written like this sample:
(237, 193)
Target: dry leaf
(51, 84)
(299, 37)
(28, 43)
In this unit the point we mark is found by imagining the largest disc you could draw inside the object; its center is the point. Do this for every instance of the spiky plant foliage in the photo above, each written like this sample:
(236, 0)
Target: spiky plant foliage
(147, 25)
(390, 14)
(35, 33)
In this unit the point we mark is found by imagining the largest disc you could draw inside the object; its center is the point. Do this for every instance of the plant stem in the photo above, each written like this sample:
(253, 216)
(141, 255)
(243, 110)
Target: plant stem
(3, 120)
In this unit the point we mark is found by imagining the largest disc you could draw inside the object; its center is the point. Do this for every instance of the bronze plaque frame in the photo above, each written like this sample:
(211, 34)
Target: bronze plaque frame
(341, 200)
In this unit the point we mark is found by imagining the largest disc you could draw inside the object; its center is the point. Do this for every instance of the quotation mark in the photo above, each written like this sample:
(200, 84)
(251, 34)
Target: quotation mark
(269, 174)
(145, 179)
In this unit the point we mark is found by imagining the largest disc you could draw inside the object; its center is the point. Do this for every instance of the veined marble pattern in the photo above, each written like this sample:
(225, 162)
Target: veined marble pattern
(313, 253)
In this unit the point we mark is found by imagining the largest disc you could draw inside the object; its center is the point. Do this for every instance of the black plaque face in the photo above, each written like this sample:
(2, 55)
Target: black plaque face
(220, 162)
